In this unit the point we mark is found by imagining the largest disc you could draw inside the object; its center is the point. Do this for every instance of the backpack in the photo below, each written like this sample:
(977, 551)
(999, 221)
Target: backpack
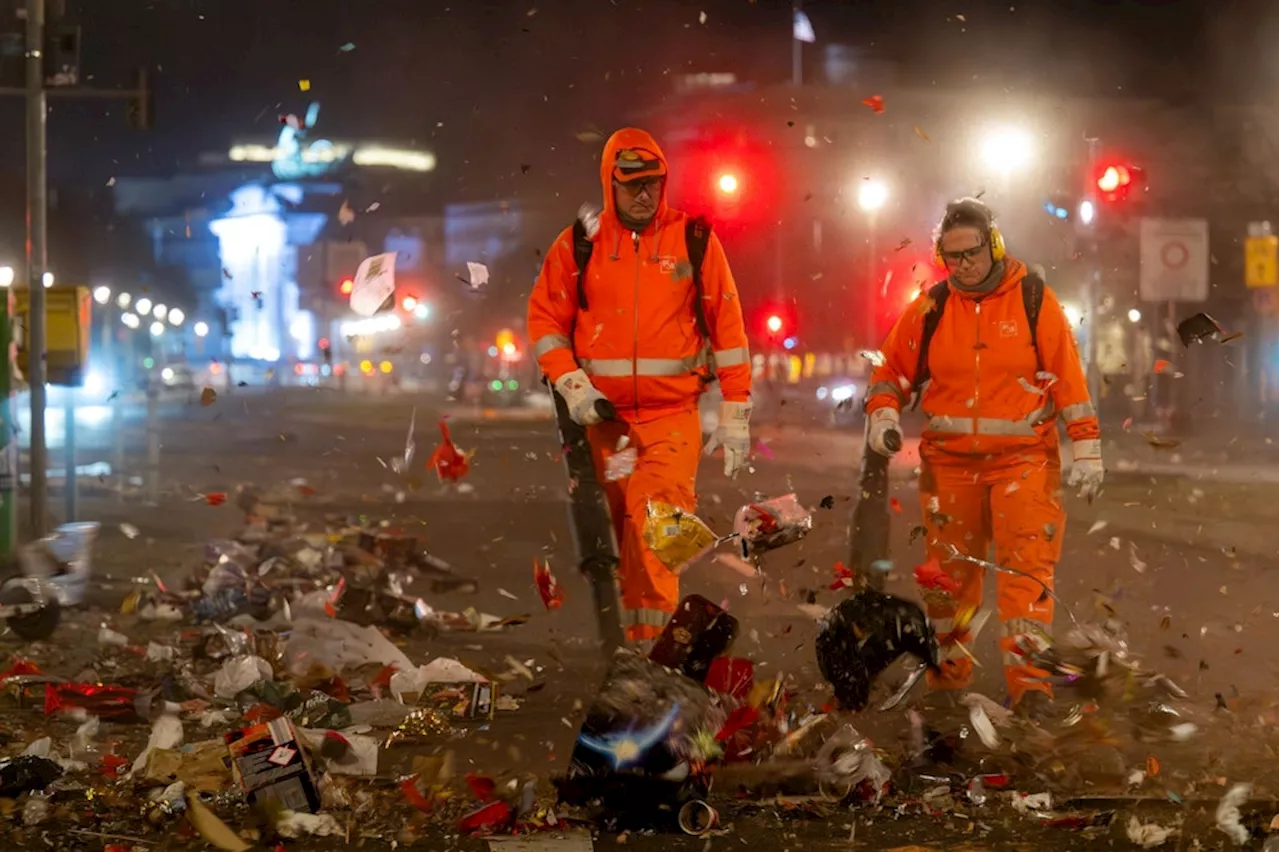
(1032, 299)
(697, 233)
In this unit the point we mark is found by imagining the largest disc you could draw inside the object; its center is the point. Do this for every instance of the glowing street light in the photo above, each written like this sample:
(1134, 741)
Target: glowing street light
(123, 300)
(872, 195)
(6, 276)
(157, 328)
(1008, 150)
(102, 295)
(201, 328)
(143, 306)
(176, 316)
(130, 320)
(159, 312)
(1135, 315)
(47, 278)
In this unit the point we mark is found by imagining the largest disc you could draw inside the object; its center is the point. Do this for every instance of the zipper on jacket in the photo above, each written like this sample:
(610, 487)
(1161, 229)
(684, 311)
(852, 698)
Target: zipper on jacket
(635, 333)
(977, 363)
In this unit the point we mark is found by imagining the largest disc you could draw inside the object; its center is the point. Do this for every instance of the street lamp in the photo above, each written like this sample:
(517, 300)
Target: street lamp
(102, 295)
(1135, 315)
(47, 278)
(157, 328)
(143, 306)
(1007, 150)
(176, 316)
(123, 300)
(201, 328)
(6, 276)
(872, 195)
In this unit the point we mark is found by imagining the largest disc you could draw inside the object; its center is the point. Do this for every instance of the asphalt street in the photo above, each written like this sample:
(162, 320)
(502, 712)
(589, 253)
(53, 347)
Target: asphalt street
(1200, 600)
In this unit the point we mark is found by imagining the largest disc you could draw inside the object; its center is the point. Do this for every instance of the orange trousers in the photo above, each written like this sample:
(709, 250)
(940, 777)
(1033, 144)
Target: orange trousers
(667, 451)
(1014, 501)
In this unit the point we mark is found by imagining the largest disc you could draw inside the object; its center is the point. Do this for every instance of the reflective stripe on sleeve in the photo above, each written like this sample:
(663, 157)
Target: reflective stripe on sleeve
(732, 357)
(886, 387)
(549, 343)
(1079, 411)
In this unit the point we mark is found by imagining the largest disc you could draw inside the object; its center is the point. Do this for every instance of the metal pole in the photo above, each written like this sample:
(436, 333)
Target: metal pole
(1093, 292)
(69, 480)
(117, 429)
(9, 453)
(870, 304)
(797, 50)
(153, 444)
(37, 262)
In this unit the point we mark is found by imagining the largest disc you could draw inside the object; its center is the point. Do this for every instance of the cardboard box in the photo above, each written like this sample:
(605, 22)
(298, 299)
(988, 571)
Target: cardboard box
(200, 766)
(466, 700)
(271, 764)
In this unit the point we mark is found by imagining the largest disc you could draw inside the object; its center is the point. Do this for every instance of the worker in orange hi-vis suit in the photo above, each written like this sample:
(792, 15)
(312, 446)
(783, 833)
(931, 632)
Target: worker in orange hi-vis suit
(642, 331)
(991, 355)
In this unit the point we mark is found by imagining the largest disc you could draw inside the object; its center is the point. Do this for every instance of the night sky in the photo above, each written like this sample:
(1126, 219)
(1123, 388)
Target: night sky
(490, 86)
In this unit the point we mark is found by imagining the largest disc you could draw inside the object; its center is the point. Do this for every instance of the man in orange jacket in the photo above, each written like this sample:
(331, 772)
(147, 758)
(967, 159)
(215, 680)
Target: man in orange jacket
(639, 342)
(1001, 361)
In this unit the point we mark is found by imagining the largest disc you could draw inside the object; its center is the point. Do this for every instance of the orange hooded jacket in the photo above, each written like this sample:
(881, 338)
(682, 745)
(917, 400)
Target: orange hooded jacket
(638, 339)
(986, 392)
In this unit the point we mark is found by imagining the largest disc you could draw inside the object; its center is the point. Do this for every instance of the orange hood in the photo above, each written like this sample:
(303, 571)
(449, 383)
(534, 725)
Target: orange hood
(629, 137)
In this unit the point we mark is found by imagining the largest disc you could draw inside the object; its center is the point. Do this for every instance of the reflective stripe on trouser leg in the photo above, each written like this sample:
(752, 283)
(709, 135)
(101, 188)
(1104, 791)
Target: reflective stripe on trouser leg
(1020, 638)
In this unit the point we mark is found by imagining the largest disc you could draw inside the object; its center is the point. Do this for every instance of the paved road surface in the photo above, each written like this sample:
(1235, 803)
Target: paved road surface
(1201, 608)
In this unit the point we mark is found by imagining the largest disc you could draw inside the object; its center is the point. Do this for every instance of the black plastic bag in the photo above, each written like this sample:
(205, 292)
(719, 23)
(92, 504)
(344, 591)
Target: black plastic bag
(863, 635)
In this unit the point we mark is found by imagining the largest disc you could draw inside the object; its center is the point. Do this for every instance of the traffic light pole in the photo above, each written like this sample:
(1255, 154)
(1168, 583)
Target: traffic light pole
(9, 453)
(37, 261)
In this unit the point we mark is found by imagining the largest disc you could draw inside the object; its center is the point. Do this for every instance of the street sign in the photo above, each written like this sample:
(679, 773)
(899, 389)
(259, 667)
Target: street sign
(1175, 260)
(1261, 261)
(68, 320)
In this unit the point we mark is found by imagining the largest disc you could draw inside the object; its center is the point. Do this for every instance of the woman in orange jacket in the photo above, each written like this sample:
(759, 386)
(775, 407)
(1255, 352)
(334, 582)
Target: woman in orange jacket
(647, 341)
(999, 369)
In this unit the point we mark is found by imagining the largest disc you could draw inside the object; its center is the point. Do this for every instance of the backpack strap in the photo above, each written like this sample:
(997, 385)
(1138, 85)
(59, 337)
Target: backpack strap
(938, 295)
(581, 256)
(697, 233)
(1032, 301)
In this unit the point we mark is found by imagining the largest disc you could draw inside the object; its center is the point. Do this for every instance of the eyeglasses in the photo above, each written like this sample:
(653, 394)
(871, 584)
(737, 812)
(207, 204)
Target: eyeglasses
(653, 186)
(956, 258)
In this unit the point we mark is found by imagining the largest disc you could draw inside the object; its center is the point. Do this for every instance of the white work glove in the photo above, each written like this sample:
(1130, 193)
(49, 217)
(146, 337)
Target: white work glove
(1086, 467)
(734, 434)
(580, 396)
(881, 422)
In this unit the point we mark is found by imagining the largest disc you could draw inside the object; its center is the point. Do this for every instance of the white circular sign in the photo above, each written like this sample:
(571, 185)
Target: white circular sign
(1174, 254)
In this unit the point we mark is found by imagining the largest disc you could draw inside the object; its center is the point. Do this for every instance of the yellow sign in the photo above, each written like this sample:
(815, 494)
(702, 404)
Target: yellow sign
(68, 320)
(1261, 262)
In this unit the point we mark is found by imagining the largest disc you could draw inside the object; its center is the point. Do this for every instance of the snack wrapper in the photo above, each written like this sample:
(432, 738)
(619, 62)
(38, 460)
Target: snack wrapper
(675, 536)
(772, 523)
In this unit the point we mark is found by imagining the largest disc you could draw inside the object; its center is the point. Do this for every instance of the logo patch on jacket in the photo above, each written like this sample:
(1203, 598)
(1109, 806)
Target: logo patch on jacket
(667, 264)
(1008, 328)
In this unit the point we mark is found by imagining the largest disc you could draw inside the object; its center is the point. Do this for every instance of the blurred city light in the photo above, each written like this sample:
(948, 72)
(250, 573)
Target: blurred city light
(176, 316)
(1135, 315)
(123, 300)
(130, 320)
(1086, 212)
(102, 295)
(160, 311)
(201, 329)
(1008, 150)
(774, 324)
(1074, 316)
(157, 328)
(48, 280)
(728, 183)
(6, 276)
(422, 310)
(872, 195)
(143, 306)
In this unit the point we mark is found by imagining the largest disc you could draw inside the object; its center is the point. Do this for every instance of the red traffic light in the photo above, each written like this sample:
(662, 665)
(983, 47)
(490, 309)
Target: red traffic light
(1113, 177)
(324, 343)
(1116, 180)
(727, 183)
(347, 285)
(408, 303)
(774, 324)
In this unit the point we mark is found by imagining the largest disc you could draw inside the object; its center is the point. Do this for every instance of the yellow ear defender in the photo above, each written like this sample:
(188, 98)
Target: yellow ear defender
(994, 238)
